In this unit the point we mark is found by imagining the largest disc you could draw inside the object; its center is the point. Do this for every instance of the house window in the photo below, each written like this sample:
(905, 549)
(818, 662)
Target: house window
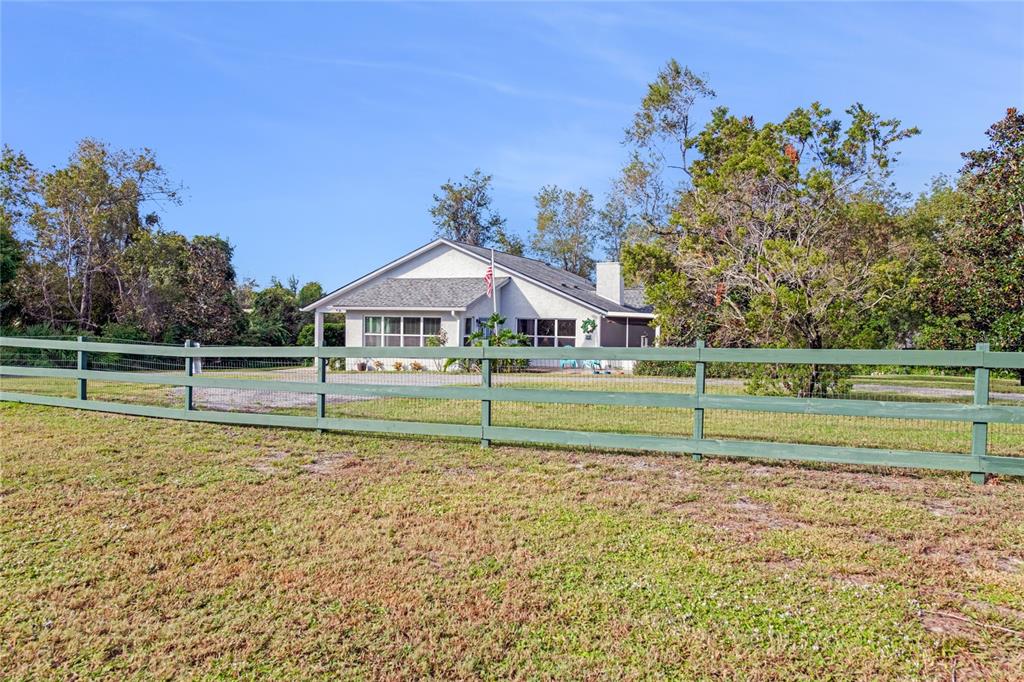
(548, 332)
(399, 331)
(474, 324)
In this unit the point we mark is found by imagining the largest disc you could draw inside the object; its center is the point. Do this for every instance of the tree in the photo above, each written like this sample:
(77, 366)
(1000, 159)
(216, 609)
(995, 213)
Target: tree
(176, 289)
(665, 114)
(566, 229)
(977, 292)
(787, 234)
(87, 213)
(153, 268)
(17, 185)
(334, 334)
(275, 317)
(636, 208)
(463, 213)
(661, 138)
(209, 311)
(310, 293)
(509, 243)
(11, 258)
(498, 336)
(245, 293)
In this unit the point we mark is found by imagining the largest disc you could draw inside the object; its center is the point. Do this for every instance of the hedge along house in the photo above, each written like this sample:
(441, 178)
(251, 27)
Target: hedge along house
(438, 290)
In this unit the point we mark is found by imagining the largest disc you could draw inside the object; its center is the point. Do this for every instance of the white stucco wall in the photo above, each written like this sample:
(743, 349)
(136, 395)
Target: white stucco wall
(354, 332)
(521, 299)
(517, 299)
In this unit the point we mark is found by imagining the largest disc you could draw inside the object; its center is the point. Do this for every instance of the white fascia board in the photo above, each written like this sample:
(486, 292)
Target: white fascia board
(640, 316)
(413, 308)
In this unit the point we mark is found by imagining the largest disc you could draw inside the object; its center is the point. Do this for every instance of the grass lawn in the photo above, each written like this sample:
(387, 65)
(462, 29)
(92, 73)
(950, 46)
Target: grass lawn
(140, 548)
(966, 383)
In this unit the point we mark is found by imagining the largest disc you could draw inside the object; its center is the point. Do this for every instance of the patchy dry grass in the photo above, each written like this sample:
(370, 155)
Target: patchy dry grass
(143, 548)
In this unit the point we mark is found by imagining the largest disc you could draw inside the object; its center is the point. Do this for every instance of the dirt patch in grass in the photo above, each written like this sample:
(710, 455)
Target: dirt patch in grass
(1010, 564)
(948, 626)
(331, 464)
(269, 464)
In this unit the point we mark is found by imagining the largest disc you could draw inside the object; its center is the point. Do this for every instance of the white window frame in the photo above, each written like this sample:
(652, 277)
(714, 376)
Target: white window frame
(399, 339)
(535, 337)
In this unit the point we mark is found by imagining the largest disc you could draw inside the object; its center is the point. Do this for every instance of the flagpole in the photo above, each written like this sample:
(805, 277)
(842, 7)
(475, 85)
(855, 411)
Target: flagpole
(494, 289)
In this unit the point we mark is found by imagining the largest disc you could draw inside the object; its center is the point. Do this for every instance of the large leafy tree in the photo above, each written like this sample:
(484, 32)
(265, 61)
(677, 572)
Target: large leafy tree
(153, 271)
(636, 208)
(209, 311)
(275, 319)
(509, 242)
(309, 293)
(566, 229)
(463, 212)
(661, 140)
(786, 234)
(977, 291)
(86, 215)
(664, 126)
(177, 289)
(11, 258)
(91, 257)
(17, 184)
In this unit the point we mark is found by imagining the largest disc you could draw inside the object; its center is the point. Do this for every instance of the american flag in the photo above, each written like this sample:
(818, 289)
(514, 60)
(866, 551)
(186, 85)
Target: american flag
(489, 280)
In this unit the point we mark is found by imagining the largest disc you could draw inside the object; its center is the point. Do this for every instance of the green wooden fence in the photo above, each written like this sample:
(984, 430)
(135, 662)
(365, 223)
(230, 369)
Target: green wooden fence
(980, 414)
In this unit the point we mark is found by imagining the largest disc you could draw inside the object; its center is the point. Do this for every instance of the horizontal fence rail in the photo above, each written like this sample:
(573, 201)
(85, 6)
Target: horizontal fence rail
(979, 414)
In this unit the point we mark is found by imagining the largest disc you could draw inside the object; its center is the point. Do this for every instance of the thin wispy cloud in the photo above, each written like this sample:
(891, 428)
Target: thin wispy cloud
(219, 53)
(497, 86)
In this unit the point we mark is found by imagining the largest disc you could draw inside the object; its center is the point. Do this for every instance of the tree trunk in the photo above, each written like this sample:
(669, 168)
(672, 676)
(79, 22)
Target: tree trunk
(814, 381)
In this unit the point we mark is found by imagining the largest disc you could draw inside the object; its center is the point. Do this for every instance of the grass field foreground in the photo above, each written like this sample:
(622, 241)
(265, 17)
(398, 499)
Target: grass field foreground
(145, 548)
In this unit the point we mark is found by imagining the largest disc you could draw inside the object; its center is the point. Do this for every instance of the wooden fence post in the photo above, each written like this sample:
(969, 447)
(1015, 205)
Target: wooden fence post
(979, 430)
(485, 405)
(190, 366)
(83, 364)
(321, 398)
(698, 411)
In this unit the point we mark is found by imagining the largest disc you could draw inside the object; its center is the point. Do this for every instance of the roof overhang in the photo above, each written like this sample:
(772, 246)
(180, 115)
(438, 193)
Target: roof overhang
(638, 315)
(325, 300)
(380, 309)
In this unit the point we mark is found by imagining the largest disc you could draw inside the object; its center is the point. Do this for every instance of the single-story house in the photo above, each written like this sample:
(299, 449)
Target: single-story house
(439, 290)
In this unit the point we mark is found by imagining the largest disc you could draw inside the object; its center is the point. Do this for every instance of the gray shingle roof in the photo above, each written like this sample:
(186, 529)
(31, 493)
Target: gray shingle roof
(415, 292)
(573, 285)
(634, 298)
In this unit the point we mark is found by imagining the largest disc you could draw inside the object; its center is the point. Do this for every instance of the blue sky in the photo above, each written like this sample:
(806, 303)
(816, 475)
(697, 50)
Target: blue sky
(313, 135)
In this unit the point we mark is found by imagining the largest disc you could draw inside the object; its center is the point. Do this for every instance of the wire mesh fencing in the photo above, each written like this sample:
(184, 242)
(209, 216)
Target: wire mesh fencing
(660, 398)
(846, 383)
(409, 372)
(1006, 388)
(589, 377)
